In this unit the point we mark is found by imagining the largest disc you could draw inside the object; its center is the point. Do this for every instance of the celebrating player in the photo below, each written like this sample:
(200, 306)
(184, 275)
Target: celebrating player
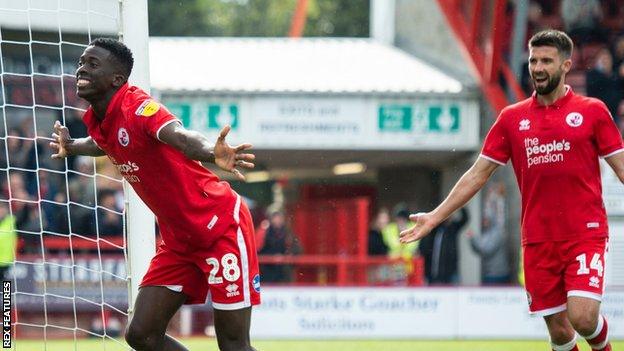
(208, 242)
(554, 140)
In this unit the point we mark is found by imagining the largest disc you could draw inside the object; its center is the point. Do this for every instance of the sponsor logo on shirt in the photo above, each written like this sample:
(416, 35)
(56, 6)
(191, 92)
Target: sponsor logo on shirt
(148, 108)
(545, 153)
(256, 282)
(123, 137)
(127, 169)
(525, 124)
(593, 224)
(232, 290)
(574, 119)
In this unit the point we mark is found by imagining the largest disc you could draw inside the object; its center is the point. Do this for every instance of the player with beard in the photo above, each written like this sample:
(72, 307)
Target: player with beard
(554, 140)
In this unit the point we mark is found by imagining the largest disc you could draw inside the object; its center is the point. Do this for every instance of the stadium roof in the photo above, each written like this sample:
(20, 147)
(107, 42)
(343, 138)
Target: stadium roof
(285, 65)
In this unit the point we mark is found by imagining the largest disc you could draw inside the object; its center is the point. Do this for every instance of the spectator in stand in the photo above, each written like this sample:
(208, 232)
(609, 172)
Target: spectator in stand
(491, 245)
(82, 192)
(391, 233)
(47, 193)
(56, 214)
(618, 66)
(581, 20)
(19, 149)
(8, 240)
(618, 52)
(24, 209)
(73, 120)
(604, 83)
(28, 222)
(440, 250)
(110, 222)
(535, 19)
(278, 240)
(376, 244)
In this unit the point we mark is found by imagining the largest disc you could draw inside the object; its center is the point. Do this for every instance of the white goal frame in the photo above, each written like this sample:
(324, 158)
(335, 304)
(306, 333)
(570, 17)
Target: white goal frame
(140, 230)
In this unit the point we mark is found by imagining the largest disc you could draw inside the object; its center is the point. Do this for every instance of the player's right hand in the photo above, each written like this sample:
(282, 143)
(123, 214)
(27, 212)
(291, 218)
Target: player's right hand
(423, 224)
(60, 140)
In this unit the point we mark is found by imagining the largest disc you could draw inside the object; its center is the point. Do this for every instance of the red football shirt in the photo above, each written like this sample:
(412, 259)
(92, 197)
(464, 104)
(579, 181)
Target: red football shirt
(554, 151)
(190, 203)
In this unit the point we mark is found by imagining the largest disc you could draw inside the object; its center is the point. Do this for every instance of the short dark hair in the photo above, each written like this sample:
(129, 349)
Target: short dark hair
(554, 38)
(120, 52)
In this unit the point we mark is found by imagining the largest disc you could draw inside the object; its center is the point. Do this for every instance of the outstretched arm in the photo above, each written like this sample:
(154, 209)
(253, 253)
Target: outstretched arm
(617, 163)
(468, 185)
(196, 146)
(65, 146)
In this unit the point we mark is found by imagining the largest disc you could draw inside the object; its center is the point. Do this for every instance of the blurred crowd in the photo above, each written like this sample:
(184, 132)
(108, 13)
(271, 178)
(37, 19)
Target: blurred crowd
(439, 251)
(597, 29)
(44, 198)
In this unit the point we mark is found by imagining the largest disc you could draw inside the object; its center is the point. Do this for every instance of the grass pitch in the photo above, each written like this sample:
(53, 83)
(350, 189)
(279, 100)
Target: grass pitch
(207, 344)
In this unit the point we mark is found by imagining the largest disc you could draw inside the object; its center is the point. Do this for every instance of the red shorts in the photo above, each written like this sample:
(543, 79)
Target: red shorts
(228, 268)
(555, 270)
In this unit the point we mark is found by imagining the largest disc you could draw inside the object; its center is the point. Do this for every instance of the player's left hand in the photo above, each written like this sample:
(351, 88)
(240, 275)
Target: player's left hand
(423, 224)
(229, 158)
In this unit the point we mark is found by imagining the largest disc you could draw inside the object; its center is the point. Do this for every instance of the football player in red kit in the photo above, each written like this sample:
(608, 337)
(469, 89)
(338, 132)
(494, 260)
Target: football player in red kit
(554, 140)
(208, 242)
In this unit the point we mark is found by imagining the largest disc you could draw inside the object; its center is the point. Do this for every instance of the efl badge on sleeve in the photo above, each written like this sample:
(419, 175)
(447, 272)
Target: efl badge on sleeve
(148, 108)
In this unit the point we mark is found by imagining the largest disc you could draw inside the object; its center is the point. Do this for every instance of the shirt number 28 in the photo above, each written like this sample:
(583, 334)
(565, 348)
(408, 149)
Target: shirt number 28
(231, 271)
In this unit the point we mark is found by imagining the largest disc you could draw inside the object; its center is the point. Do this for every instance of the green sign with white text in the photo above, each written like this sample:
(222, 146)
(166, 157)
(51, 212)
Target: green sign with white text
(395, 118)
(428, 118)
(205, 115)
(444, 119)
(221, 115)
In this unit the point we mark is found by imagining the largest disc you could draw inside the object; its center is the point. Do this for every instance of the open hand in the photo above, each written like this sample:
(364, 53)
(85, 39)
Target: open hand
(61, 139)
(423, 224)
(229, 158)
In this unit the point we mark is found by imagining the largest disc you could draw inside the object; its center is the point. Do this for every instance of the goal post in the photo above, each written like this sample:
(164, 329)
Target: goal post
(139, 219)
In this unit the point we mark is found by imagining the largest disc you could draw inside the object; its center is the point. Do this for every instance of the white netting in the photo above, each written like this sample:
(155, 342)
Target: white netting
(69, 276)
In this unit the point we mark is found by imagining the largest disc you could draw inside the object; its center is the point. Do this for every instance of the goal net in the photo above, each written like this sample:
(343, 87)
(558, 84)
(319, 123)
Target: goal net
(70, 276)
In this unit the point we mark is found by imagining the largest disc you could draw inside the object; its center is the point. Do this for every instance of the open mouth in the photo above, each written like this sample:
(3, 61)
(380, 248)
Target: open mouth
(541, 80)
(81, 82)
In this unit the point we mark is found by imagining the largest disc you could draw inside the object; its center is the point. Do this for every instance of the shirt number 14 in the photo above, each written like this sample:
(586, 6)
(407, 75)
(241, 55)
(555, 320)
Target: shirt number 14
(595, 264)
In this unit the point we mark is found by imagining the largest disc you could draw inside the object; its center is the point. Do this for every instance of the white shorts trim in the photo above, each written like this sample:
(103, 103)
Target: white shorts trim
(176, 288)
(231, 306)
(587, 294)
(163, 126)
(491, 159)
(613, 153)
(605, 255)
(242, 247)
(549, 311)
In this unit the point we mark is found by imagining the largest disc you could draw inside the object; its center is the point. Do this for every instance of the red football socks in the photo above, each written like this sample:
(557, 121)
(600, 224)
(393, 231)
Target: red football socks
(599, 339)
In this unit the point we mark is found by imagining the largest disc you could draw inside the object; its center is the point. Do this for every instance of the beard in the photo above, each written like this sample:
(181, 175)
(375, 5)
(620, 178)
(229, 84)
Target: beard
(553, 82)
